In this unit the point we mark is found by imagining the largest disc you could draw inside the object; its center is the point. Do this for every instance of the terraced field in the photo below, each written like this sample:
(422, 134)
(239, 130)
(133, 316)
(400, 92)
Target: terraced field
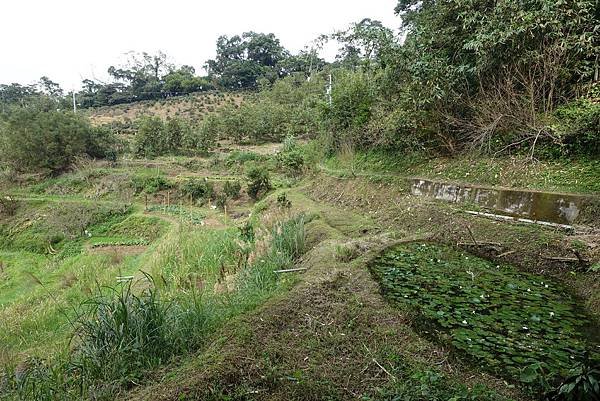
(164, 280)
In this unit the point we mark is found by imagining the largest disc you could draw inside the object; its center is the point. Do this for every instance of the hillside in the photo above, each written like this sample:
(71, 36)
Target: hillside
(415, 220)
(332, 329)
(192, 107)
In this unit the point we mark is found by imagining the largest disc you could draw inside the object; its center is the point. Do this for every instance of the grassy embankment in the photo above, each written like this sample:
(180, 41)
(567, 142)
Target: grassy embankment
(327, 334)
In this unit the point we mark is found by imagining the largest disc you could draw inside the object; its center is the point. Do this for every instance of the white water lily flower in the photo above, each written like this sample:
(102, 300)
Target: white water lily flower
(525, 328)
(464, 322)
(551, 314)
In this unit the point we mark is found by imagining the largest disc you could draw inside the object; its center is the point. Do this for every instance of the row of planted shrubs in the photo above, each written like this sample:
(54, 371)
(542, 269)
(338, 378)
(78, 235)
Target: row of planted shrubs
(200, 190)
(292, 160)
(123, 332)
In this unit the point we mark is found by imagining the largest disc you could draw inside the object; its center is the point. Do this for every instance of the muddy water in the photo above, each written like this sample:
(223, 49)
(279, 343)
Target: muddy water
(539, 206)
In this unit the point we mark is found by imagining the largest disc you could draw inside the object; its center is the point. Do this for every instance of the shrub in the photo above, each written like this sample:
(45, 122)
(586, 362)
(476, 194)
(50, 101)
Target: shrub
(283, 202)
(259, 182)
(291, 157)
(102, 144)
(8, 206)
(150, 185)
(156, 137)
(352, 97)
(33, 140)
(232, 189)
(579, 127)
(221, 200)
(198, 189)
(149, 139)
(236, 157)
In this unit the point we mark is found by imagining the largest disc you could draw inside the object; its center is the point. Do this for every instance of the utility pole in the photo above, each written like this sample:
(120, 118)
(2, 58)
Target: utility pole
(329, 90)
(74, 104)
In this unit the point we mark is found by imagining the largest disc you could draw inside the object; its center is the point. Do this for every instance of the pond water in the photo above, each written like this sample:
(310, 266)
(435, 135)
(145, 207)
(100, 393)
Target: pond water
(539, 206)
(503, 319)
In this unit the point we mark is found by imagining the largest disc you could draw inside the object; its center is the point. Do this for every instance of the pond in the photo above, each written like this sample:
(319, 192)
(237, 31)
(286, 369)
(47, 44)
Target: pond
(503, 319)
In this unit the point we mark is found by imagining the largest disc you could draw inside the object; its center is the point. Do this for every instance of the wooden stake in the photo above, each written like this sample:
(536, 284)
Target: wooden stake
(505, 254)
(290, 270)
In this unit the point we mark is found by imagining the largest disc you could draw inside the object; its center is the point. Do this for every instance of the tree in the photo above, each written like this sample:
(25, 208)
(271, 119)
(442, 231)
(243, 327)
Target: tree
(479, 69)
(364, 43)
(150, 137)
(242, 61)
(33, 140)
(50, 88)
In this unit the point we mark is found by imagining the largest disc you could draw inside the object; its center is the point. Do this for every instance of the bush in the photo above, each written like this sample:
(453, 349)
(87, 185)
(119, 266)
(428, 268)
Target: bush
(8, 206)
(353, 97)
(289, 107)
(102, 144)
(150, 185)
(579, 127)
(283, 202)
(198, 189)
(149, 139)
(156, 137)
(291, 158)
(32, 140)
(221, 200)
(239, 157)
(259, 182)
(232, 189)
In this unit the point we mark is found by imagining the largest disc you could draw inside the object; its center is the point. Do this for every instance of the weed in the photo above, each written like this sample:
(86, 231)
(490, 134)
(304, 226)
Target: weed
(232, 189)
(259, 182)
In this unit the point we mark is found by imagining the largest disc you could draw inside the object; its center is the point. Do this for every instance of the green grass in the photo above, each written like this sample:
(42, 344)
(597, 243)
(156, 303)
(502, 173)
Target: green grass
(47, 270)
(581, 176)
(202, 279)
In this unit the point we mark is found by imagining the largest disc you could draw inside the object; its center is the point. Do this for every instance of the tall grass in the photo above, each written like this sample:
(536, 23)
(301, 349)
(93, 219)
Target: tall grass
(124, 332)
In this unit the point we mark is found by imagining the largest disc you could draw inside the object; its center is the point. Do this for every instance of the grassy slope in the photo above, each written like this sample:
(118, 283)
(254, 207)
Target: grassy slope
(330, 337)
(333, 325)
(193, 107)
(40, 290)
(579, 176)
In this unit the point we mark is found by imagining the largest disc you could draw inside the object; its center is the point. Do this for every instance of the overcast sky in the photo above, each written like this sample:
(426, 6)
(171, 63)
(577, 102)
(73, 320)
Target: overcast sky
(68, 40)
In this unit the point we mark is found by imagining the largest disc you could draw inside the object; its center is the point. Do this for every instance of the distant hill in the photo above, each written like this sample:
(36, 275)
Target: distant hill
(192, 107)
